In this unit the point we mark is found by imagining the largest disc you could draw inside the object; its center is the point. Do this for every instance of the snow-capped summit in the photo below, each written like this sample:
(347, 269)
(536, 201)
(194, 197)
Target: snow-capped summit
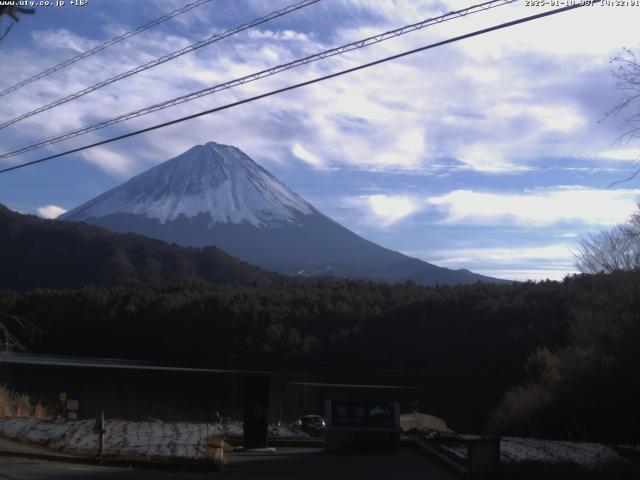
(216, 195)
(217, 180)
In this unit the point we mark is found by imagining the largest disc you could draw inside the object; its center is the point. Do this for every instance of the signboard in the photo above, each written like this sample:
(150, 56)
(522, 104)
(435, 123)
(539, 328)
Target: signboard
(63, 396)
(363, 414)
(367, 424)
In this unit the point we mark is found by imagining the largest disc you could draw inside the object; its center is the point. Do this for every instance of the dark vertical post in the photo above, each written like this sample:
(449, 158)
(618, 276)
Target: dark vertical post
(256, 407)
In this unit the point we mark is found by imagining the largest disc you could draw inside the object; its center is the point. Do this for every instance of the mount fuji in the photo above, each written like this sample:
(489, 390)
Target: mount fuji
(216, 195)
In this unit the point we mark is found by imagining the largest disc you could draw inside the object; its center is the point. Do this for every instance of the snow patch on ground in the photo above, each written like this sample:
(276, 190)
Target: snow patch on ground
(515, 449)
(586, 454)
(34, 430)
(286, 431)
(130, 439)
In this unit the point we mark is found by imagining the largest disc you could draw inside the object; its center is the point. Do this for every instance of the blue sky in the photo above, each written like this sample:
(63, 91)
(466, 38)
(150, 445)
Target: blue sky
(489, 154)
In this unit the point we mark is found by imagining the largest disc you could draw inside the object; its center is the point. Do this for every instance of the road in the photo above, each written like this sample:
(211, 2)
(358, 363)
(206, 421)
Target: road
(284, 464)
(24, 469)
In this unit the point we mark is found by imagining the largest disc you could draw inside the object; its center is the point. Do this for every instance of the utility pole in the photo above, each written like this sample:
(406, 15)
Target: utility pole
(100, 428)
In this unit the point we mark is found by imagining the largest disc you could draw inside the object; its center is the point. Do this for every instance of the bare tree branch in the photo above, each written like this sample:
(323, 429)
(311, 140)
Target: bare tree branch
(617, 248)
(628, 179)
(627, 75)
(10, 325)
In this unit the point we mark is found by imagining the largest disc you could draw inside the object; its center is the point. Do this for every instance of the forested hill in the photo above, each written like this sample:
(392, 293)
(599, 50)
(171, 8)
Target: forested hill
(48, 253)
(569, 350)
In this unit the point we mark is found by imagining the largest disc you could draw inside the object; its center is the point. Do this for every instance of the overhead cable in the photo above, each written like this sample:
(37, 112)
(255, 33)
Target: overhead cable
(306, 83)
(163, 59)
(261, 74)
(102, 46)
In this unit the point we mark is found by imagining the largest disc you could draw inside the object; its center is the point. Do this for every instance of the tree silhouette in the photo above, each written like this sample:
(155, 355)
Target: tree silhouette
(627, 75)
(610, 250)
(11, 328)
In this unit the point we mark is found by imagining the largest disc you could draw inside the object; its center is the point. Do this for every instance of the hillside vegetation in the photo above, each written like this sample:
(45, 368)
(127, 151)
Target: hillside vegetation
(589, 388)
(470, 343)
(47, 253)
(553, 359)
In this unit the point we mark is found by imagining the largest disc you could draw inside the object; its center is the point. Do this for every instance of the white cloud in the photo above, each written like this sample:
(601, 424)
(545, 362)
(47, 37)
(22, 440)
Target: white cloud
(550, 35)
(558, 253)
(537, 208)
(305, 155)
(50, 211)
(408, 152)
(391, 209)
(487, 158)
(278, 35)
(561, 118)
(522, 275)
(622, 154)
(505, 89)
(380, 210)
(498, 103)
(526, 262)
(116, 164)
(62, 38)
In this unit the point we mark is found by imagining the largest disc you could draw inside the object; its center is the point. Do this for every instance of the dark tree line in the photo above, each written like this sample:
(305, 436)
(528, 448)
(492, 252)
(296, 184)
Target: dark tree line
(403, 325)
(48, 253)
(565, 353)
(467, 341)
(589, 389)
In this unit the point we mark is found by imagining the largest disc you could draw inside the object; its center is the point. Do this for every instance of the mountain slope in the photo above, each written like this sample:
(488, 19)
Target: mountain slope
(47, 253)
(216, 180)
(216, 195)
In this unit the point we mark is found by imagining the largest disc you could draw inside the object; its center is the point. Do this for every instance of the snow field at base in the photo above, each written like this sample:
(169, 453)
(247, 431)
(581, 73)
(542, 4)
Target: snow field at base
(189, 440)
(515, 449)
(130, 439)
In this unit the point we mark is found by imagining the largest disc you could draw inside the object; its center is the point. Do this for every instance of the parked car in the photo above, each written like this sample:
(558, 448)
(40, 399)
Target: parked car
(313, 424)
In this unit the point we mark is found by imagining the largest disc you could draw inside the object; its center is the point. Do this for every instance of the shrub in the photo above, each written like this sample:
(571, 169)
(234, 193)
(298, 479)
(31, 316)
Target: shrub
(19, 405)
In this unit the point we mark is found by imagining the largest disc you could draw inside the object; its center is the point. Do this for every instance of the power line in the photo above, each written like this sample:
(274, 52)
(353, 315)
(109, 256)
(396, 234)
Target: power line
(308, 82)
(6, 32)
(165, 58)
(261, 74)
(104, 45)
